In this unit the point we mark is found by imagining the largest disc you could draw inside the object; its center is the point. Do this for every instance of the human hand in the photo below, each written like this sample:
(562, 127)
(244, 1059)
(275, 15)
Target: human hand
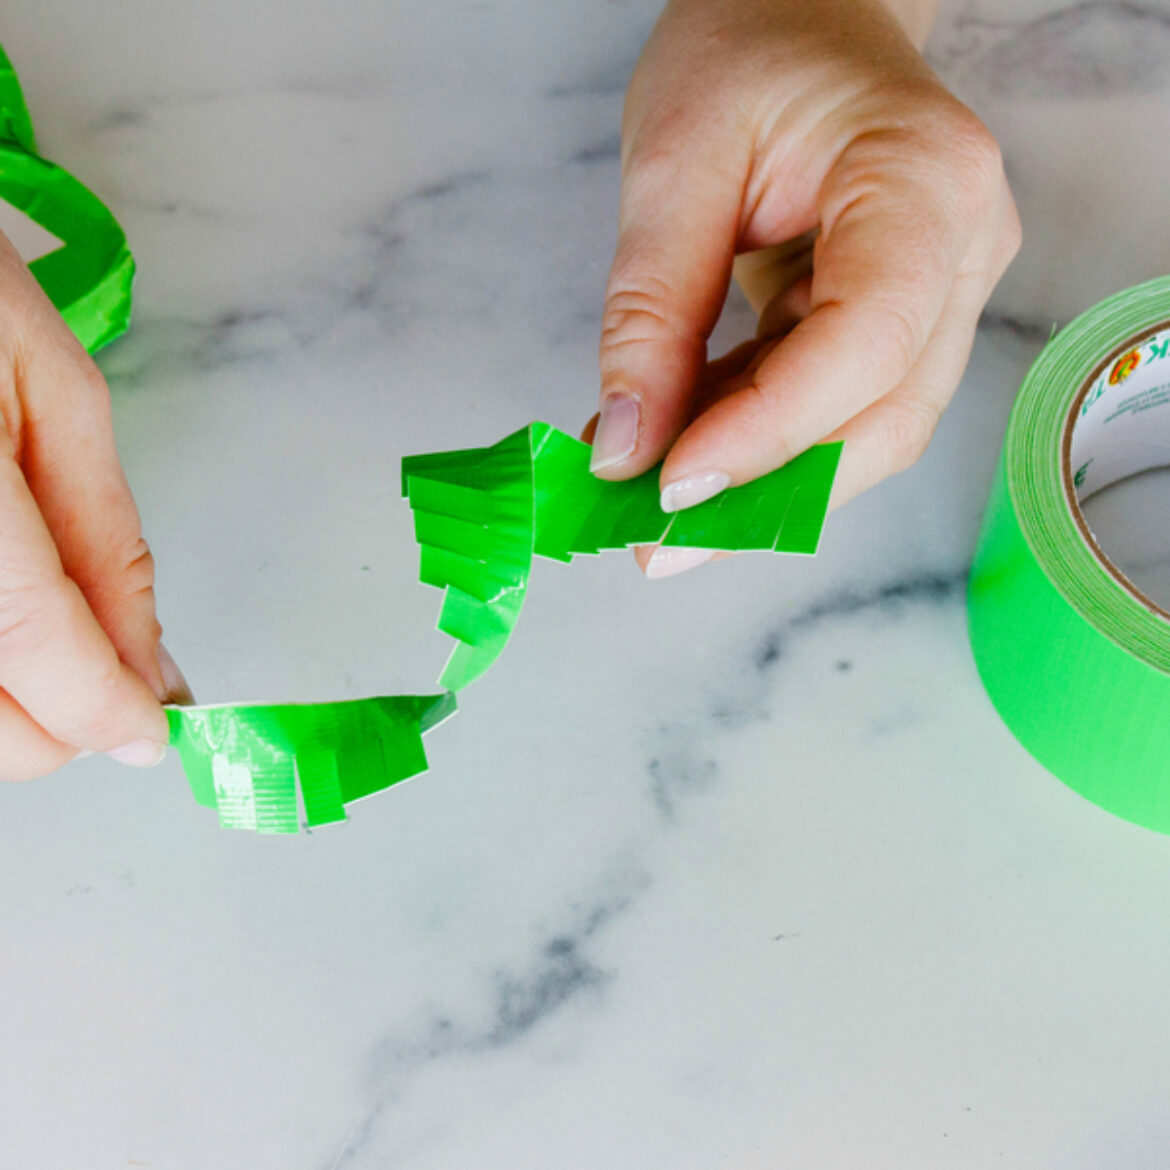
(868, 219)
(81, 666)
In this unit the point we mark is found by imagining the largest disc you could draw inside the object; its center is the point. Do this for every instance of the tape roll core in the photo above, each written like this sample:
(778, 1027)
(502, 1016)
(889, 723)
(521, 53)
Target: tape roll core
(1113, 372)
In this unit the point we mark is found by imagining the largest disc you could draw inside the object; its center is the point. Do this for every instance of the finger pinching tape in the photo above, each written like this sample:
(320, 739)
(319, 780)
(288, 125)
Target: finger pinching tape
(481, 516)
(1074, 656)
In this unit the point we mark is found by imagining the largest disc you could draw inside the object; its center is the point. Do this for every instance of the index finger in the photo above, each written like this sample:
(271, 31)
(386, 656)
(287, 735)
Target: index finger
(895, 235)
(55, 659)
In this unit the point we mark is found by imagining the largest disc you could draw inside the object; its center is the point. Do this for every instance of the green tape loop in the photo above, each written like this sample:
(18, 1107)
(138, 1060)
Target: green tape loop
(480, 517)
(89, 277)
(1075, 658)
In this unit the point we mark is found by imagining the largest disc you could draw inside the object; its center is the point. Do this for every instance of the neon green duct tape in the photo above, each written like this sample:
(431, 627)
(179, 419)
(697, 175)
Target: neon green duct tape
(1074, 657)
(264, 766)
(15, 123)
(481, 515)
(66, 235)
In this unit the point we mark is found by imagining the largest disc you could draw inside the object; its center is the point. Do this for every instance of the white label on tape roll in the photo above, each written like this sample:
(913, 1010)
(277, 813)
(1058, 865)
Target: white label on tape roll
(1124, 419)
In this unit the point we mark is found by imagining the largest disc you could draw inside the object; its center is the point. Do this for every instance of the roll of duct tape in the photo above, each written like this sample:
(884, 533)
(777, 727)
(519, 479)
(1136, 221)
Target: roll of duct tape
(1074, 656)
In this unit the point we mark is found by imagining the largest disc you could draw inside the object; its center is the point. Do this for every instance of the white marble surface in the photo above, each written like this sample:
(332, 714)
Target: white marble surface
(736, 870)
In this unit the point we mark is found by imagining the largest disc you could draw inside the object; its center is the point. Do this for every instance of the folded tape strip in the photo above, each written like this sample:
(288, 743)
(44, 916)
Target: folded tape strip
(251, 762)
(481, 516)
(1052, 620)
(89, 277)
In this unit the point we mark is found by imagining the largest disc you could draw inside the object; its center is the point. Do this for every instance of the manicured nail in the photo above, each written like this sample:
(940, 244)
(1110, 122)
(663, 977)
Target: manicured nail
(617, 432)
(693, 489)
(139, 753)
(667, 561)
(177, 690)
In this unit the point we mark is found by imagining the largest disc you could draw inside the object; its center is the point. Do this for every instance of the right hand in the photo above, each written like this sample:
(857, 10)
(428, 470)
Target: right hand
(81, 666)
(806, 146)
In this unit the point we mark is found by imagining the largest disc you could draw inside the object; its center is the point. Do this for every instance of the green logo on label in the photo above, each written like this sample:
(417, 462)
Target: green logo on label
(1092, 397)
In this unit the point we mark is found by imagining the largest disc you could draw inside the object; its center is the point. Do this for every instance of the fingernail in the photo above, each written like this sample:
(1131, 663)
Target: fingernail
(177, 689)
(667, 561)
(139, 753)
(617, 432)
(693, 489)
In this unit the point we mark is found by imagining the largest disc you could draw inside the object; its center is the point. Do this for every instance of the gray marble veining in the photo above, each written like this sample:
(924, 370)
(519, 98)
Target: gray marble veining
(732, 871)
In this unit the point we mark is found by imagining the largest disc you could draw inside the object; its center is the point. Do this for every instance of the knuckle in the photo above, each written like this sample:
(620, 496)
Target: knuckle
(654, 158)
(755, 426)
(36, 620)
(909, 428)
(1012, 236)
(121, 573)
(638, 311)
(92, 383)
(139, 562)
(976, 153)
(888, 327)
(656, 138)
(97, 725)
(660, 149)
(131, 566)
(904, 334)
(14, 327)
(30, 618)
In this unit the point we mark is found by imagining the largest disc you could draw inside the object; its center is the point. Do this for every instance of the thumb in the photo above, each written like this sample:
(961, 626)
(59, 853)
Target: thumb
(682, 190)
